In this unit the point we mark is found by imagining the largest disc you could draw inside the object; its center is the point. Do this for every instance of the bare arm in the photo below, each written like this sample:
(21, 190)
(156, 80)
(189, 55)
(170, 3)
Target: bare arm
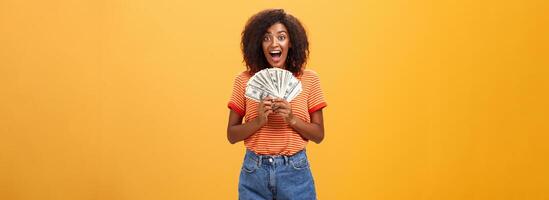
(236, 131)
(313, 131)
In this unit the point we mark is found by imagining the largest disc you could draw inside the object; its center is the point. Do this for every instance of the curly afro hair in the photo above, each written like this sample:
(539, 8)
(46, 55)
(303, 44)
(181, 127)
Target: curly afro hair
(252, 37)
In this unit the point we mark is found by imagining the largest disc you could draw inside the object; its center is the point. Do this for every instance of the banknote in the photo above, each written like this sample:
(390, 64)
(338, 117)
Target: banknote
(273, 82)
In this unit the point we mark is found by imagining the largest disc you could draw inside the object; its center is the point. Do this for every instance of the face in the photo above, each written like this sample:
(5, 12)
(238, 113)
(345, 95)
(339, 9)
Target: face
(276, 43)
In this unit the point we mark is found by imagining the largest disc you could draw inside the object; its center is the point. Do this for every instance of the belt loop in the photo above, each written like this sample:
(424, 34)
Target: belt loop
(285, 159)
(259, 160)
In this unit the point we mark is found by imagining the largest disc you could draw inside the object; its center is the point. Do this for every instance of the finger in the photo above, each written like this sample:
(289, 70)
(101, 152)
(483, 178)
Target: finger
(280, 100)
(279, 109)
(268, 112)
(267, 102)
(283, 105)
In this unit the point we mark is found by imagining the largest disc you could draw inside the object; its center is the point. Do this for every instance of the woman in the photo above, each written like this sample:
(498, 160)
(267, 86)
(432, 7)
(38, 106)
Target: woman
(275, 132)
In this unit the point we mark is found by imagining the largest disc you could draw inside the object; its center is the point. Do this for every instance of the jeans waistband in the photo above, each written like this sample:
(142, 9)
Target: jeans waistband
(275, 159)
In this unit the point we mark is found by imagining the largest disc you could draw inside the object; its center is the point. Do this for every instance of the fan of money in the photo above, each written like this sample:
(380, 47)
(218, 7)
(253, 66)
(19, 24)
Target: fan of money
(273, 82)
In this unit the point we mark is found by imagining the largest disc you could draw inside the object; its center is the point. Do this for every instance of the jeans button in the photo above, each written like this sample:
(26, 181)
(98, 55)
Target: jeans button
(271, 160)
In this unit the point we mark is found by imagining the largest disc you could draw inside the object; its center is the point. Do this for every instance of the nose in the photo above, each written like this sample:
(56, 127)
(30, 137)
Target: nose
(274, 43)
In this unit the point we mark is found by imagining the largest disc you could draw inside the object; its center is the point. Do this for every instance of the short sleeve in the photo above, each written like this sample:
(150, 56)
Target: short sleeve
(315, 99)
(237, 100)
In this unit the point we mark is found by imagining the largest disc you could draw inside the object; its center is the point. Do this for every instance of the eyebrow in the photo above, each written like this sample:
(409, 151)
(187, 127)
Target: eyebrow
(277, 32)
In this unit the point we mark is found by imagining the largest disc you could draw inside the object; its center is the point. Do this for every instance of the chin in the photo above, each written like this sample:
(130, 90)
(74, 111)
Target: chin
(278, 65)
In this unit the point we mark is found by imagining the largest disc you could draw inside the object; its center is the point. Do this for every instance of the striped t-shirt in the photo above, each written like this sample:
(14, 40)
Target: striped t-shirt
(276, 137)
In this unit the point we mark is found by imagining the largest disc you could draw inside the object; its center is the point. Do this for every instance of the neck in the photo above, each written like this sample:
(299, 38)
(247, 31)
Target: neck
(283, 67)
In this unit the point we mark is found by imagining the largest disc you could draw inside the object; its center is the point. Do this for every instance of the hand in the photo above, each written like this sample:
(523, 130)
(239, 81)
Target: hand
(264, 110)
(283, 108)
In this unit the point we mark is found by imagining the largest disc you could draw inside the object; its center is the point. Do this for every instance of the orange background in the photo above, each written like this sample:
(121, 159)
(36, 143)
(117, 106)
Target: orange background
(127, 99)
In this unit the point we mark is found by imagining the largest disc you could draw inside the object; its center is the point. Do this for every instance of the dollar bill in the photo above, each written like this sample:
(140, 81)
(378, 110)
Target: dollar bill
(273, 82)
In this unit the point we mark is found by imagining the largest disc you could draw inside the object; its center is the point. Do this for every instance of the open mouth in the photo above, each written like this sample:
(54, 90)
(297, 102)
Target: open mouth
(275, 54)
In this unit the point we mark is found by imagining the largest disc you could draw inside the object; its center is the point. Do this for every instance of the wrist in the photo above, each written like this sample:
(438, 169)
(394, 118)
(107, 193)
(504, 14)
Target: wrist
(292, 121)
(259, 122)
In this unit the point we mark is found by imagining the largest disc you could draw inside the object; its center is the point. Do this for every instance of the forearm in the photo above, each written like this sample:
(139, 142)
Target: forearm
(236, 133)
(310, 131)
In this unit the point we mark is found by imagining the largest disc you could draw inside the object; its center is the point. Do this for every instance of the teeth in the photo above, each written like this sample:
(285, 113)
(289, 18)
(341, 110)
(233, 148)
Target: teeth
(276, 51)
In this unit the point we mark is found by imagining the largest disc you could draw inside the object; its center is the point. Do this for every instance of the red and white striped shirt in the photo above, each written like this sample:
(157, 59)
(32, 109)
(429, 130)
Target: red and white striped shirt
(277, 137)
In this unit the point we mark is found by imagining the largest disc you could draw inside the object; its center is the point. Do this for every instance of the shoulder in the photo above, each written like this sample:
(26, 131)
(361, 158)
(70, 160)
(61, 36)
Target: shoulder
(242, 76)
(309, 75)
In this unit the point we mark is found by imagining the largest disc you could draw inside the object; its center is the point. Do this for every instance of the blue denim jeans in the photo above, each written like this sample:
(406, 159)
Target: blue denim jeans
(276, 177)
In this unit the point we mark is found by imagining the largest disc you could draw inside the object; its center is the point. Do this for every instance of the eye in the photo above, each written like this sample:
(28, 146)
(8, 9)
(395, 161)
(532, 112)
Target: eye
(281, 38)
(266, 38)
